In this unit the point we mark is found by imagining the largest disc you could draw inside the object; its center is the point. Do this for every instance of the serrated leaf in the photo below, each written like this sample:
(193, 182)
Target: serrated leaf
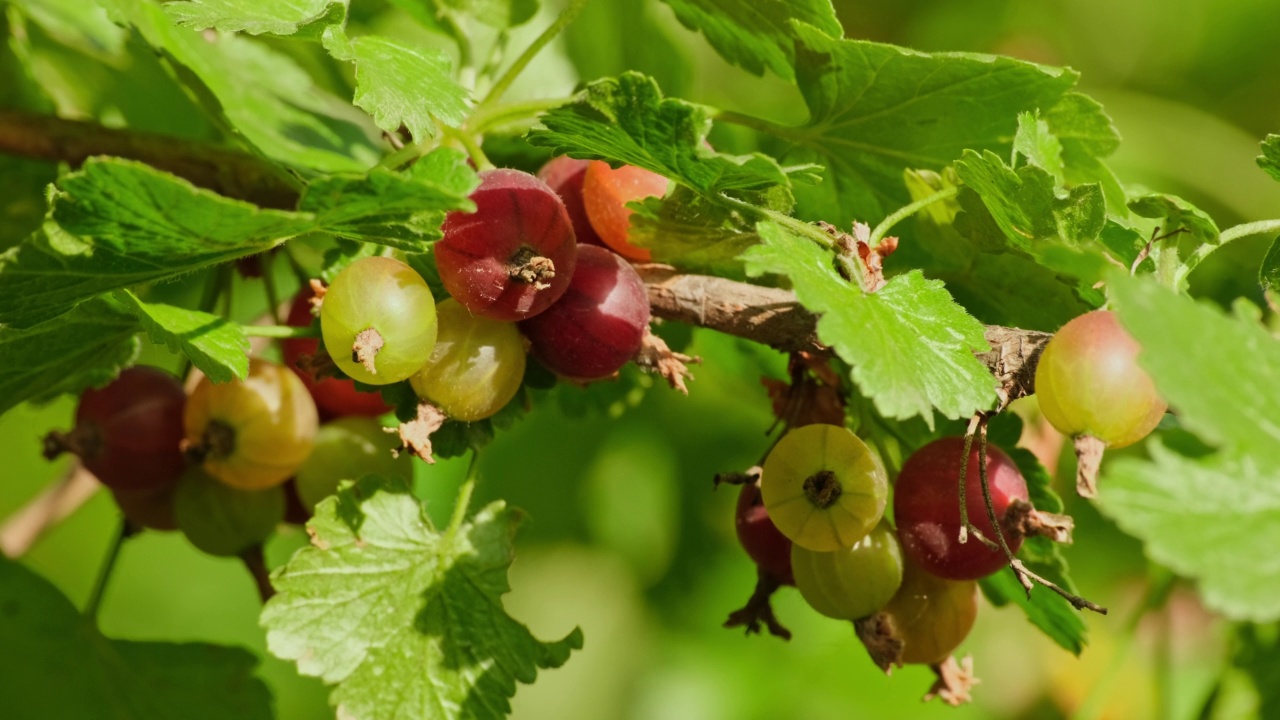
(70, 671)
(217, 347)
(1269, 160)
(84, 348)
(1178, 214)
(402, 210)
(1037, 143)
(1087, 136)
(1045, 609)
(408, 620)
(693, 234)
(401, 85)
(876, 110)
(120, 223)
(264, 94)
(1269, 270)
(494, 13)
(280, 17)
(626, 120)
(909, 345)
(756, 34)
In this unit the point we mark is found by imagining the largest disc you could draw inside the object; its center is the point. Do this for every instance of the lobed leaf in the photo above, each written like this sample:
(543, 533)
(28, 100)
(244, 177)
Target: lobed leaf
(408, 620)
(120, 223)
(691, 233)
(1037, 143)
(909, 345)
(69, 670)
(756, 34)
(216, 346)
(1269, 160)
(280, 17)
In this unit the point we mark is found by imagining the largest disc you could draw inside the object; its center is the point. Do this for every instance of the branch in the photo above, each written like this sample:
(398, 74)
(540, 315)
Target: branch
(21, 530)
(227, 172)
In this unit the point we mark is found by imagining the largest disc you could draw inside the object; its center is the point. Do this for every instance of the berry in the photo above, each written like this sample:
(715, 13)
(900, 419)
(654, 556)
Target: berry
(564, 175)
(606, 192)
(926, 506)
(514, 256)
(252, 434)
(378, 320)
(852, 583)
(767, 547)
(476, 367)
(930, 615)
(600, 322)
(128, 433)
(150, 508)
(348, 449)
(335, 397)
(222, 520)
(823, 487)
(1089, 382)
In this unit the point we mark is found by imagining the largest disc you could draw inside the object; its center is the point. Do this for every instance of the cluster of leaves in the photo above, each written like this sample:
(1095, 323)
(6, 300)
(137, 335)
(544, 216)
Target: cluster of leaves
(1020, 221)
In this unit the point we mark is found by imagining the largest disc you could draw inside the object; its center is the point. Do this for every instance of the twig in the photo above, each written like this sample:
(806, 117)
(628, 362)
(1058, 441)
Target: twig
(21, 530)
(104, 573)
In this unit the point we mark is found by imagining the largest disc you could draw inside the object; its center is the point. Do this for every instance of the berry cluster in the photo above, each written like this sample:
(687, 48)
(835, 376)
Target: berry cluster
(228, 462)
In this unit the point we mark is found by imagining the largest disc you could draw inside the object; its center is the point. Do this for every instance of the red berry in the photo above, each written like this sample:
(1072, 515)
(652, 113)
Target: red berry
(926, 506)
(129, 433)
(606, 192)
(514, 256)
(767, 547)
(335, 397)
(600, 322)
(565, 175)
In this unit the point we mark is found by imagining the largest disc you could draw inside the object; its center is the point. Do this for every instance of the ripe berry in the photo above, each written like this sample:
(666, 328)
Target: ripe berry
(378, 320)
(600, 322)
(852, 583)
(1089, 382)
(129, 433)
(150, 508)
(348, 449)
(926, 506)
(335, 397)
(564, 175)
(606, 192)
(931, 615)
(222, 520)
(767, 547)
(476, 367)
(252, 434)
(512, 257)
(823, 487)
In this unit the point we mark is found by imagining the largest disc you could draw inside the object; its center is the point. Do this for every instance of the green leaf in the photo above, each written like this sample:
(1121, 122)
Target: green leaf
(1222, 376)
(124, 223)
(86, 347)
(403, 210)
(692, 234)
(1044, 608)
(910, 346)
(756, 34)
(876, 110)
(611, 38)
(1087, 136)
(1037, 143)
(1177, 214)
(264, 94)
(217, 347)
(401, 85)
(70, 671)
(626, 120)
(494, 13)
(1269, 160)
(1269, 271)
(407, 619)
(282, 17)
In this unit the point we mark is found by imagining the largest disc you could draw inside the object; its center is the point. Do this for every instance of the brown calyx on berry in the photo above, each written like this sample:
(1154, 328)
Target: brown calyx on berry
(1021, 519)
(1089, 450)
(415, 434)
(656, 356)
(823, 489)
(365, 349)
(955, 681)
(318, 366)
(528, 267)
(882, 640)
(217, 442)
(84, 441)
(759, 609)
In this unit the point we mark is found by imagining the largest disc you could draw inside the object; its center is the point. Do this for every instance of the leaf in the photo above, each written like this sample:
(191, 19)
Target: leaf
(70, 671)
(86, 347)
(407, 619)
(403, 210)
(282, 17)
(401, 85)
(494, 13)
(1087, 136)
(120, 223)
(1045, 609)
(626, 120)
(611, 38)
(692, 234)
(1212, 517)
(1269, 160)
(910, 346)
(1178, 214)
(756, 34)
(1037, 143)
(264, 94)
(217, 347)
(876, 110)
(1269, 271)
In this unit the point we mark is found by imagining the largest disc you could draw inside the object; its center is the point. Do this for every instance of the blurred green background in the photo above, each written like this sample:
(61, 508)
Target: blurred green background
(625, 536)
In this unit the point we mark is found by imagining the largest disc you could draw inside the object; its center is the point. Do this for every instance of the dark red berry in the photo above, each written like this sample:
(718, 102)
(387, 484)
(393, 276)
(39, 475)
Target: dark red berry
(770, 549)
(564, 175)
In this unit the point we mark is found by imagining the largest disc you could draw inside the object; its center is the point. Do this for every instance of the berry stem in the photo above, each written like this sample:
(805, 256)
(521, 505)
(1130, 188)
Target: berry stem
(503, 83)
(104, 573)
(280, 331)
(464, 499)
(907, 211)
(256, 563)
